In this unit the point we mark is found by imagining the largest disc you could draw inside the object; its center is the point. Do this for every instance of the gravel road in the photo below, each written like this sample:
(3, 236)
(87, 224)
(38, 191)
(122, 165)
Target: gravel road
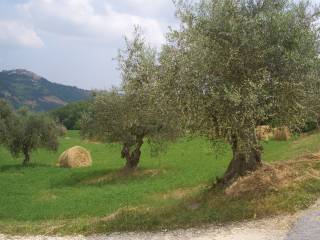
(303, 226)
(267, 229)
(308, 225)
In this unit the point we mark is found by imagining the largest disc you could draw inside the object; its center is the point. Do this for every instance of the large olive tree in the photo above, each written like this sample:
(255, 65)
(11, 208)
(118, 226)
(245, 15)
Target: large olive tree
(235, 63)
(131, 114)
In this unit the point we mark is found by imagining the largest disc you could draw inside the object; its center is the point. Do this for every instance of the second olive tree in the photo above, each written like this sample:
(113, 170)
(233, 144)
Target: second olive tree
(131, 114)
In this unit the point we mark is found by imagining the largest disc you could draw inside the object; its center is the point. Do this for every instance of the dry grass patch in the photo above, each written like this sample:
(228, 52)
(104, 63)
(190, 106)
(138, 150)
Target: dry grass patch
(125, 211)
(179, 193)
(48, 196)
(276, 176)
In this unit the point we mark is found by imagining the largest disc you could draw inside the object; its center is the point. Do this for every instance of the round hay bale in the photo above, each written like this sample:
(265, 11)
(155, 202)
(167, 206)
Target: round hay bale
(282, 134)
(75, 157)
(62, 130)
(264, 132)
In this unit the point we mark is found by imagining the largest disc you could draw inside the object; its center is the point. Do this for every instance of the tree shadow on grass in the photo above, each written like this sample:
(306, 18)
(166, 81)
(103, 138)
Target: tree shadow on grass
(104, 177)
(20, 167)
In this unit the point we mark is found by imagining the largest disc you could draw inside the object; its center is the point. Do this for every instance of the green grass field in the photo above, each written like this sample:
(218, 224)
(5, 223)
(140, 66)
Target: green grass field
(44, 193)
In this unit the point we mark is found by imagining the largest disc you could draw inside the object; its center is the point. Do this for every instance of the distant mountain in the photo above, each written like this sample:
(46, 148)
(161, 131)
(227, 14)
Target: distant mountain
(24, 88)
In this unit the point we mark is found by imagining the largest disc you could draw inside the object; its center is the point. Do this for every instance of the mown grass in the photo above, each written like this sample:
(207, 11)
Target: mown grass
(169, 190)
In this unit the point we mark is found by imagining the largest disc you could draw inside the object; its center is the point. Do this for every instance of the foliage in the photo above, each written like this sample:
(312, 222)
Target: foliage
(131, 114)
(310, 125)
(6, 114)
(70, 114)
(234, 64)
(28, 132)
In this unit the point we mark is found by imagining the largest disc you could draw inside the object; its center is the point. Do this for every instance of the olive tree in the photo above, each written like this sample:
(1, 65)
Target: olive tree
(130, 114)
(6, 114)
(29, 132)
(233, 64)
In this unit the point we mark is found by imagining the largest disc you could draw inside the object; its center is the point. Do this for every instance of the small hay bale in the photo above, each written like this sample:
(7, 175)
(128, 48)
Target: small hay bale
(62, 130)
(282, 134)
(75, 157)
(264, 132)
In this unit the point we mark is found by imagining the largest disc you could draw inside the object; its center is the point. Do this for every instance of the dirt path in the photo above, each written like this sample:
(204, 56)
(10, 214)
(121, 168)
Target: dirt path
(268, 229)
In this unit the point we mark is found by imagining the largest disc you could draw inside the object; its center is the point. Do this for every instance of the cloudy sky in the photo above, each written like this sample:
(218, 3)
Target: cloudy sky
(74, 41)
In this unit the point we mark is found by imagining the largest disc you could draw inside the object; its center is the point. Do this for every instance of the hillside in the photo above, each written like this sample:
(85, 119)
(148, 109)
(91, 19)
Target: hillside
(24, 88)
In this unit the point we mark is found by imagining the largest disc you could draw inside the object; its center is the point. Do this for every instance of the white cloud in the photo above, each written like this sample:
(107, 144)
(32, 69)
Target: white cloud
(80, 36)
(16, 33)
(163, 9)
(80, 18)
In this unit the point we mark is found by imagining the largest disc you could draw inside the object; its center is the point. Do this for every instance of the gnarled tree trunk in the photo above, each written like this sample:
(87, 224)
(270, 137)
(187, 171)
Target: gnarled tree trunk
(244, 160)
(26, 154)
(132, 158)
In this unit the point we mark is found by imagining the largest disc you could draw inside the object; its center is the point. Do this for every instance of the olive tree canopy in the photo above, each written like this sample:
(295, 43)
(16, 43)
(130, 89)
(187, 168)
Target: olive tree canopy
(235, 63)
(131, 114)
(6, 114)
(28, 132)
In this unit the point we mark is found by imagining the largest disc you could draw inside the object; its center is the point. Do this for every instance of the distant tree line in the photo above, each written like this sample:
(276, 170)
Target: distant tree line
(70, 115)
